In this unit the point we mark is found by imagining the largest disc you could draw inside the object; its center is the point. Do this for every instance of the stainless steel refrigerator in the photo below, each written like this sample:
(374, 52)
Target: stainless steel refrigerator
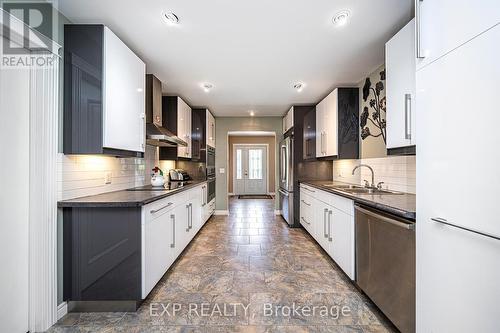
(286, 180)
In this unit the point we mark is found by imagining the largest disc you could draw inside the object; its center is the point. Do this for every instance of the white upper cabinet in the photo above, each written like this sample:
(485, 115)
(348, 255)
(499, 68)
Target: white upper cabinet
(184, 127)
(400, 65)
(327, 126)
(288, 120)
(210, 129)
(446, 24)
(123, 96)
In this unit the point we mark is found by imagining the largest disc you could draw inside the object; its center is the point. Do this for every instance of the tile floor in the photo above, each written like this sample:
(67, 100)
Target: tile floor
(244, 273)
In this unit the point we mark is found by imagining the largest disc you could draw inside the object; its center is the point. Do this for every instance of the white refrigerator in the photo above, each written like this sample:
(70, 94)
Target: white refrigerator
(458, 166)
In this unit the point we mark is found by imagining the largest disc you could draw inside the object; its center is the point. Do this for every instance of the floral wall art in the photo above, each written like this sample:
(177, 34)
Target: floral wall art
(372, 116)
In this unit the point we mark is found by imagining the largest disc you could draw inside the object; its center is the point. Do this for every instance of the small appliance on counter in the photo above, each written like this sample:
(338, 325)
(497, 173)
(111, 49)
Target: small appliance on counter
(177, 175)
(157, 179)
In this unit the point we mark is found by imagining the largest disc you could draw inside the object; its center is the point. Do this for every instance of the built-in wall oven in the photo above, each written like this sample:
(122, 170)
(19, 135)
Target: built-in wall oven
(210, 162)
(210, 173)
(210, 189)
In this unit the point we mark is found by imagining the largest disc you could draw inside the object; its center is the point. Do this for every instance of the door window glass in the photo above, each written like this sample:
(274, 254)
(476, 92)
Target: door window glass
(255, 163)
(239, 166)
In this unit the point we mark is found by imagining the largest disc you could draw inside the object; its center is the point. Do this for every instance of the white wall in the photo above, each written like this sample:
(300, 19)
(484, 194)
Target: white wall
(397, 172)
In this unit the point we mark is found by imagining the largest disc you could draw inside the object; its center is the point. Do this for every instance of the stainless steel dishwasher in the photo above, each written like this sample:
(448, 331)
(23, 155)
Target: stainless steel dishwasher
(385, 264)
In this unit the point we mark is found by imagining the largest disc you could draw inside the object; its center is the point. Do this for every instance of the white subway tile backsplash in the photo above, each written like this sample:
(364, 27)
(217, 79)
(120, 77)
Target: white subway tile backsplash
(397, 172)
(79, 175)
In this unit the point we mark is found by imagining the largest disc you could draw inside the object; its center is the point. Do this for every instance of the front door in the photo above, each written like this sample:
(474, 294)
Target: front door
(250, 169)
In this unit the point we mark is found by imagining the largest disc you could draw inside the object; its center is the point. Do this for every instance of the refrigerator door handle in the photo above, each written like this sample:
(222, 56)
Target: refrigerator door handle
(283, 163)
(445, 221)
(283, 192)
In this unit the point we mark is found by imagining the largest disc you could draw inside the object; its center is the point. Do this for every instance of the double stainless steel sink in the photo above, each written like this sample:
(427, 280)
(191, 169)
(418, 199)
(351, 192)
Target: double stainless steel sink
(356, 189)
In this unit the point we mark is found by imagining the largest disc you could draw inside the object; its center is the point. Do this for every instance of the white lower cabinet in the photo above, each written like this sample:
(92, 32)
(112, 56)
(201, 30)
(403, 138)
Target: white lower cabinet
(329, 219)
(168, 226)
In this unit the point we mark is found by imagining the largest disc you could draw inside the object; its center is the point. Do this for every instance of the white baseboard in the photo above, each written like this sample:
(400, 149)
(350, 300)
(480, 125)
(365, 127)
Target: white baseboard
(221, 212)
(277, 212)
(62, 310)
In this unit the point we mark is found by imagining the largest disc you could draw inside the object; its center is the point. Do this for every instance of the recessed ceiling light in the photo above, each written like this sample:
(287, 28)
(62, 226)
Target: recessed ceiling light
(207, 86)
(252, 113)
(341, 17)
(170, 18)
(298, 86)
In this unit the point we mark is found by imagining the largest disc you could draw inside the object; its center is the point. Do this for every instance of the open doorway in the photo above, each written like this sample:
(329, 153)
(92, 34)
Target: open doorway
(251, 165)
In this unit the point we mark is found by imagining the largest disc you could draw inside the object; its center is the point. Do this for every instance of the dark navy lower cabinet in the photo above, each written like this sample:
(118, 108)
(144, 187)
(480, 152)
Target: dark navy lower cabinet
(102, 258)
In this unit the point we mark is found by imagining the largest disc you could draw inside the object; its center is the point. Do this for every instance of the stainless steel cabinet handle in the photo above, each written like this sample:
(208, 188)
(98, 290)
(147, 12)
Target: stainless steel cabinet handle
(188, 218)
(305, 203)
(173, 231)
(418, 29)
(307, 189)
(408, 116)
(325, 211)
(408, 226)
(445, 221)
(326, 142)
(153, 211)
(330, 213)
(191, 209)
(303, 219)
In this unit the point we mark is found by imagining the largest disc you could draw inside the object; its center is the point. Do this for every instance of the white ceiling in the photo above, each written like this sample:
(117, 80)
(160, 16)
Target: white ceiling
(252, 51)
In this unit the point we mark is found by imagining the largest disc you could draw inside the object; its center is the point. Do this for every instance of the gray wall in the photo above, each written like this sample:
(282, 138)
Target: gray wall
(227, 124)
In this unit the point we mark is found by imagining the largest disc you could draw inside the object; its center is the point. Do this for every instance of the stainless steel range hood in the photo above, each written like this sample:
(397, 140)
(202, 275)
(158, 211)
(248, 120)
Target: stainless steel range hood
(161, 137)
(156, 134)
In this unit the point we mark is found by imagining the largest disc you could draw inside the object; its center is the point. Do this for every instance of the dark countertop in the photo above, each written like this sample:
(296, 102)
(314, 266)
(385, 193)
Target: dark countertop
(127, 198)
(403, 205)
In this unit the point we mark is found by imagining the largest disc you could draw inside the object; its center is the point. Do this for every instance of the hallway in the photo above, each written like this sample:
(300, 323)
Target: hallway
(244, 273)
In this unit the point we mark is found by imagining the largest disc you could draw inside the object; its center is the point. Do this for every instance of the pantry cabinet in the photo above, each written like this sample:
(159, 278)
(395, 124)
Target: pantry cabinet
(104, 105)
(337, 125)
(400, 65)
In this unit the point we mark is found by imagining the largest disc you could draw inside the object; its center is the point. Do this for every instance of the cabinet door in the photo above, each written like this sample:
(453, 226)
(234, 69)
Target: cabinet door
(309, 137)
(306, 211)
(184, 127)
(342, 240)
(330, 118)
(124, 83)
(210, 130)
(158, 253)
(447, 24)
(400, 83)
(321, 224)
(195, 201)
(320, 128)
(179, 220)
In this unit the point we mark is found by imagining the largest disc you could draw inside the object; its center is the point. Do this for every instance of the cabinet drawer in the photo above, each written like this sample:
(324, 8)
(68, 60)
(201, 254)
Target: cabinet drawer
(337, 201)
(160, 207)
(306, 209)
